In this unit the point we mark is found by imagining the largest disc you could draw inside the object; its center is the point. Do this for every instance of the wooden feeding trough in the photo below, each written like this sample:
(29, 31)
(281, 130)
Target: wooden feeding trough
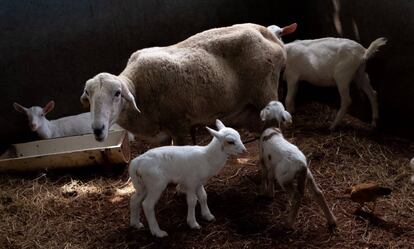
(66, 152)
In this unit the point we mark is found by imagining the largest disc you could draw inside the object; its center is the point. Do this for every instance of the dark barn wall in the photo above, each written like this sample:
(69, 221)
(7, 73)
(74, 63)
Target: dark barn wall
(391, 69)
(49, 48)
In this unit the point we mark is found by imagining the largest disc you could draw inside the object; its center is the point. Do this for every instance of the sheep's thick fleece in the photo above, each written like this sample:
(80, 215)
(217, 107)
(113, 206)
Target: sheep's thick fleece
(228, 73)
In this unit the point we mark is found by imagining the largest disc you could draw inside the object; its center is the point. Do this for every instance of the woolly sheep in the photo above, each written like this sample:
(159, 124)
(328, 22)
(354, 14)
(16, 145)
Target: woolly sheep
(219, 73)
(189, 166)
(284, 162)
(66, 126)
(330, 62)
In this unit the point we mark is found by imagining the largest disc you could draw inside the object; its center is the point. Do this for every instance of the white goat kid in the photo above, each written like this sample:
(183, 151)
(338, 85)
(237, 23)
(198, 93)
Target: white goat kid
(330, 62)
(67, 126)
(189, 166)
(284, 162)
(275, 111)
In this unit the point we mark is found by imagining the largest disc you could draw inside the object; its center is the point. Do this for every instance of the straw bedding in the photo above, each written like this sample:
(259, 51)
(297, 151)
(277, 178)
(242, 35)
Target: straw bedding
(90, 208)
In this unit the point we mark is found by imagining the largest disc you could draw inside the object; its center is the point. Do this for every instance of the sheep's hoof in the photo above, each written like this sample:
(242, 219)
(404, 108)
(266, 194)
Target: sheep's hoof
(160, 234)
(209, 217)
(138, 225)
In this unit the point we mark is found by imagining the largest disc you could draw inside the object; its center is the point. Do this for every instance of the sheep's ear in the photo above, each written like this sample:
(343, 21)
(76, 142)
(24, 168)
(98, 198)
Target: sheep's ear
(19, 108)
(214, 133)
(289, 29)
(84, 100)
(49, 107)
(128, 96)
(219, 124)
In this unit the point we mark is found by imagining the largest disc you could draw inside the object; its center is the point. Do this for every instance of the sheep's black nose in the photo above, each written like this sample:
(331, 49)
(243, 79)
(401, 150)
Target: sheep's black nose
(98, 131)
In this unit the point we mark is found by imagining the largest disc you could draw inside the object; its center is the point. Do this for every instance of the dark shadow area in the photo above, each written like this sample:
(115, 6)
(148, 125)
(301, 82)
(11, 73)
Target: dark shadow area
(50, 48)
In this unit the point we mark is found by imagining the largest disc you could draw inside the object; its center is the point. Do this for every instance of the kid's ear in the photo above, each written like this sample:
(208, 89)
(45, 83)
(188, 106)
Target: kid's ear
(49, 107)
(214, 133)
(219, 124)
(19, 108)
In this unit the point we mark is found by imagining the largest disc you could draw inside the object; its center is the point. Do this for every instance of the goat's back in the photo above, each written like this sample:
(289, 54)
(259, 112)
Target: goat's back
(73, 125)
(280, 155)
(319, 60)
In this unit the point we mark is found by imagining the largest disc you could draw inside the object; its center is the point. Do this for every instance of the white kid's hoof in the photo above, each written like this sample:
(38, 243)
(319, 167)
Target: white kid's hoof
(195, 226)
(160, 234)
(209, 217)
(138, 225)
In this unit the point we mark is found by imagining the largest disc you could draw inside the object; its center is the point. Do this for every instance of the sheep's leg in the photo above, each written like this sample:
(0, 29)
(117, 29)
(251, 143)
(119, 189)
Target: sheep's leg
(179, 140)
(135, 208)
(320, 198)
(298, 193)
(292, 89)
(191, 203)
(202, 198)
(364, 83)
(179, 133)
(153, 194)
(193, 133)
(343, 88)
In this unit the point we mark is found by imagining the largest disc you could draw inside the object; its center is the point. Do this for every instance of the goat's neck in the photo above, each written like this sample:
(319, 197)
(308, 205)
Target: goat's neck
(45, 130)
(215, 155)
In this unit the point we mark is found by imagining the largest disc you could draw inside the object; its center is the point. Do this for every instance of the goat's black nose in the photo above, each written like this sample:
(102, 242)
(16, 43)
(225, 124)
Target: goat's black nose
(98, 131)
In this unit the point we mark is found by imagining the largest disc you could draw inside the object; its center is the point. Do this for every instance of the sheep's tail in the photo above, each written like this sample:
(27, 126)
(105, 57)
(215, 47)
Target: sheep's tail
(374, 46)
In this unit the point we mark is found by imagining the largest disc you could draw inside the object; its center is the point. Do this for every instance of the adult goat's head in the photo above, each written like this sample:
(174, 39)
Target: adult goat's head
(104, 93)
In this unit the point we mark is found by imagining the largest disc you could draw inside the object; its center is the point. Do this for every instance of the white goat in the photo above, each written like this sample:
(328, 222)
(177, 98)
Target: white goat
(66, 126)
(330, 62)
(275, 111)
(284, 162)
(412, 168)
(189, 166)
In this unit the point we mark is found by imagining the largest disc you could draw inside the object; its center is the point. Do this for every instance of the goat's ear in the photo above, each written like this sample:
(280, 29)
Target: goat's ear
(49, 107)
(84, 99)
(219, 124)
(214, 133)
(19, 108)
(126, 93)
(289, 29)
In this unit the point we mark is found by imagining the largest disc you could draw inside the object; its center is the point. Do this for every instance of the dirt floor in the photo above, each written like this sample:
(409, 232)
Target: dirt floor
(90, 208)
